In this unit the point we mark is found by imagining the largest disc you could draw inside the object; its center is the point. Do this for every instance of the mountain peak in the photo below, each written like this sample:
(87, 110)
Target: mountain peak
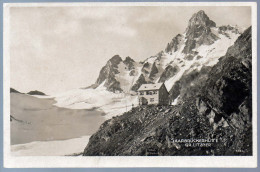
(201, 12)
(199, 15)
(108, 73)
(116, 58)
(199, 32)
(128, 59)
(200, 19)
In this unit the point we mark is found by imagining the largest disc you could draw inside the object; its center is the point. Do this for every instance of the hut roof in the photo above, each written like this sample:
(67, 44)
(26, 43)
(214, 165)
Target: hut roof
(145, 87)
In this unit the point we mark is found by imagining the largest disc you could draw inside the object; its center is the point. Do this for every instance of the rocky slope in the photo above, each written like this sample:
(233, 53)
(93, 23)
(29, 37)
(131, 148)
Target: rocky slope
(216, 104)
(200, 46)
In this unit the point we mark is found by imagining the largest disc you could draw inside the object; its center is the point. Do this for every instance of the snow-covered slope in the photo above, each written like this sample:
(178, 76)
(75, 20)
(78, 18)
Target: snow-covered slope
(100, 98)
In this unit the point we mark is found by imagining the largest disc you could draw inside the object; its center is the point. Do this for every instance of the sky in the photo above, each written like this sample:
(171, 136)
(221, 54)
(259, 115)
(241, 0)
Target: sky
(56, 49)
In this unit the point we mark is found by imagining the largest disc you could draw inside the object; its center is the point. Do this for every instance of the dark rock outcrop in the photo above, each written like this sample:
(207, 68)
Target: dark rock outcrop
(12, 90)
(108, 73)
(146, 68)
(129, 62)
(153, 72)
(141, 80)
(173, 45)
(191, 80)
(36, 92)
(132, 73)
(169, 72)
(110, 69)
(223, 29)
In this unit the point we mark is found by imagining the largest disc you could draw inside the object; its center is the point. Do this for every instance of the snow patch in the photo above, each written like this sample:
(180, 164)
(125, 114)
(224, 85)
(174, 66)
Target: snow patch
(51, 148)
(41, 96)
(126, 81)
(175, 102)
(112, 104)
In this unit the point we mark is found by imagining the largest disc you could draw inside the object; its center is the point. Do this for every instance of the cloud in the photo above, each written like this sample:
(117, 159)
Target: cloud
(62, 22)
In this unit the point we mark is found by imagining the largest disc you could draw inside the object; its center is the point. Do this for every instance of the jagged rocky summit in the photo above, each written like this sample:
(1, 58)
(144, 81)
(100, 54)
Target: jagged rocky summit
(215, 104)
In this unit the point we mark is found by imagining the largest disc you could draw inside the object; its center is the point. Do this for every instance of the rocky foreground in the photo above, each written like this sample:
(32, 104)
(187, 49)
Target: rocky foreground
(217, 105)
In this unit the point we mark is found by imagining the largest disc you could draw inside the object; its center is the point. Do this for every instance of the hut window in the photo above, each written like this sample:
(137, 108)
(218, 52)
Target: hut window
(149, 93)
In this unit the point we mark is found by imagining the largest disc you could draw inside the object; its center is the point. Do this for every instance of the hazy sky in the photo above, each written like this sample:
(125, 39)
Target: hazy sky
(54, 49)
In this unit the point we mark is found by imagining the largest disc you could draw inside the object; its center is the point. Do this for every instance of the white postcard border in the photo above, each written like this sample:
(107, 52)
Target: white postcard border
(126, 161)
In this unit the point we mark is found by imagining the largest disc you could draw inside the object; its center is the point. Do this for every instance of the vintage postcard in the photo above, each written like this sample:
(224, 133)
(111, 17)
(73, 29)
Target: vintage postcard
(130, 84)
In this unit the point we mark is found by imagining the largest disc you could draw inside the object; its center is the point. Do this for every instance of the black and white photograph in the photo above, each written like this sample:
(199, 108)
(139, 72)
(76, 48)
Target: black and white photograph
(132, 80)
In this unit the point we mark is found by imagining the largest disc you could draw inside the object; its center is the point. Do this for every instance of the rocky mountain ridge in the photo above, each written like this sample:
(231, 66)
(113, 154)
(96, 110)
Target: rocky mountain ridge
(200, 46)
(35, 92)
